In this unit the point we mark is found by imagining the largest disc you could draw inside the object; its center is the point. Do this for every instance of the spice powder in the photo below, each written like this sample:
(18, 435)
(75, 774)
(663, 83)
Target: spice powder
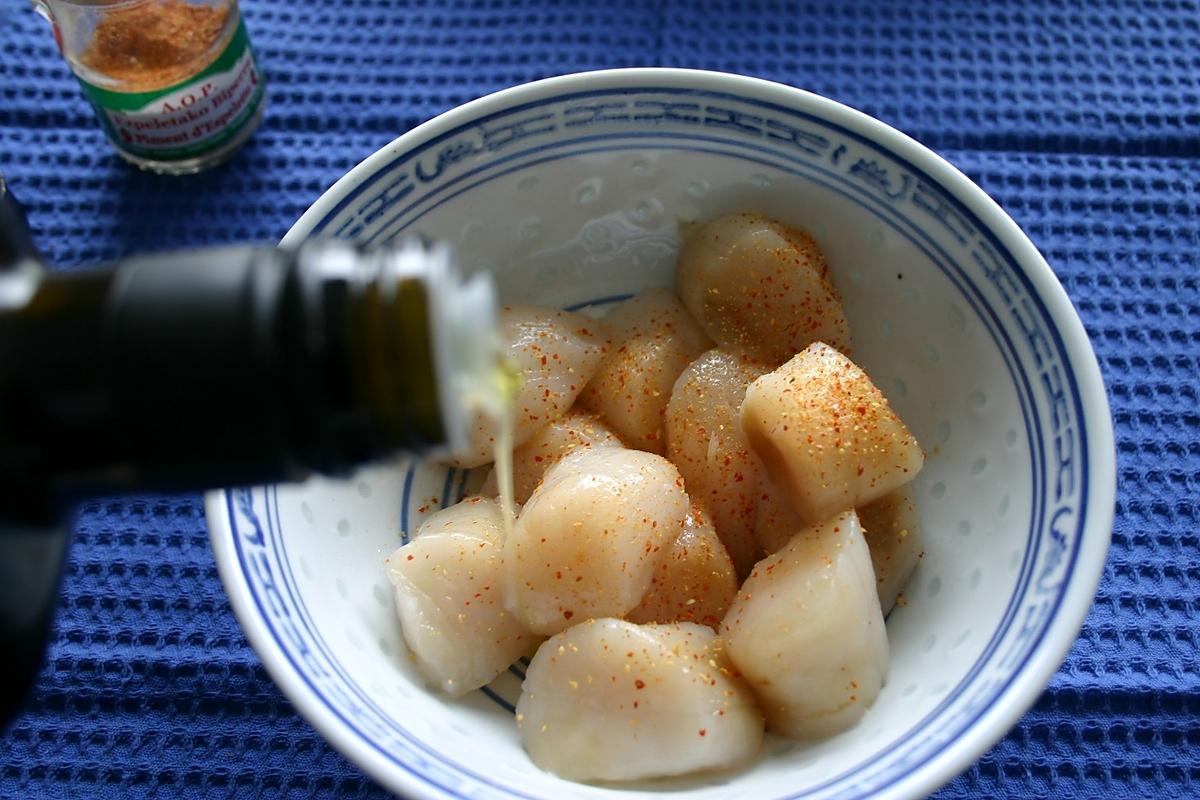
(154, 45)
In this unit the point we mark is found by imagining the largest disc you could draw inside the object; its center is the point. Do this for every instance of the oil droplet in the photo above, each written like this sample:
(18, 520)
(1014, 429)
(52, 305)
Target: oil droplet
(900, 387)
(640, 168)
(305, 569)
(975, 577)
(531, 228)
(928, 644)
(943, 431)
(587, 193)
(938, 490)
(343, 527)
(340, 585)
(307, 511)
(364, 489)
(935, 586)
(385, 647)
(912, 687)
(697, 189)
(964, 528)
(960, 639)
(1003, 509)
(354, 640)
(979, 466)
(933, 355)
(978, 399)
(381, 595)
(759, 181)
(647, 212)
(1014, 558)
(1010, 437)
(527, 183)
(885, 327)
(597, 238)
(958, 320)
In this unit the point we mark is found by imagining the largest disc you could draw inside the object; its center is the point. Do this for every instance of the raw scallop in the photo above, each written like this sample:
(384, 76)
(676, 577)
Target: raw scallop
(696, 581)
(826, 434)
(449, 594)
(893, 532)
(713, 455)
(547, 447)
(654, 338)
(610, 700)
(590, 538)
(806, 631)
(476, 515)
(556, 353)
(760, 288)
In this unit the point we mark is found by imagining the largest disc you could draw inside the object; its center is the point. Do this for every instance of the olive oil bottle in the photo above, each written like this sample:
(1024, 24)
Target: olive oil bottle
(219, 367)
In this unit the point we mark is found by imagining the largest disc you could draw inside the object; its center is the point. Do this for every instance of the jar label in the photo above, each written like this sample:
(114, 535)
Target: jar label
(190, 118)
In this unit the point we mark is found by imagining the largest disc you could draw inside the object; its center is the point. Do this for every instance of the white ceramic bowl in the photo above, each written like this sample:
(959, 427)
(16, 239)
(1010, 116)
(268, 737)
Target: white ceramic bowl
(571, 190)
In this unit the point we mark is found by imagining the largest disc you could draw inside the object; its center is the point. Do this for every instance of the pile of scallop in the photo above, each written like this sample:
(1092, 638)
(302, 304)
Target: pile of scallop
(711, 522)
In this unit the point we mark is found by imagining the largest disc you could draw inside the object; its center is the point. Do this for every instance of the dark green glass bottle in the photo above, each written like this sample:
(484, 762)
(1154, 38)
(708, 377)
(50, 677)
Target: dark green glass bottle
(220, 367)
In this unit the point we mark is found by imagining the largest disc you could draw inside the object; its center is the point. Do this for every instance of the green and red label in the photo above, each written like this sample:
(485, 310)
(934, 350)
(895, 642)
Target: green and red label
(188, 119)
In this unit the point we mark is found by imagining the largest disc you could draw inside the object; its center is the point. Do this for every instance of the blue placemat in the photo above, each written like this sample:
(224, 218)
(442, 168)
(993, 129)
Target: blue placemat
(1081, 119)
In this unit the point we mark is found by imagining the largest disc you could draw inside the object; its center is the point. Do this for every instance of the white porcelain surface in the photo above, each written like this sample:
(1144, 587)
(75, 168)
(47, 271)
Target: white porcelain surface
(571, 189)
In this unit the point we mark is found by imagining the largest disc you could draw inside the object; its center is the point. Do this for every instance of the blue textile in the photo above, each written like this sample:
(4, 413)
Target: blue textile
(1081, 119)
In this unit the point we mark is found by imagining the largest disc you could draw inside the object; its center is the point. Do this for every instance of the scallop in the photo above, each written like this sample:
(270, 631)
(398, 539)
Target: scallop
(548, 446)
(718, 466)
(807, 633)
(696, 581)
(475, 515)
(450, 597)
(556, 353)
(826, 434)
(760, 287)
(588, 541)
(612, 701)
(654, 338)
(890, 526)
(893, 532)
(776, 522)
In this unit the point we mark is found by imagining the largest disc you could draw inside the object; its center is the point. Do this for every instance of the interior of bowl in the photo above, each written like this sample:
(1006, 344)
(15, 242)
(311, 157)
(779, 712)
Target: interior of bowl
(574, 197)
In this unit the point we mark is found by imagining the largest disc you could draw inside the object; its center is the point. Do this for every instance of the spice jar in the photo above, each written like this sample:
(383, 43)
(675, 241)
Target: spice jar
(174, 82)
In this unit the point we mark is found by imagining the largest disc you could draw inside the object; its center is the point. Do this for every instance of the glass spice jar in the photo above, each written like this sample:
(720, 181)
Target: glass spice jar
(174, 83)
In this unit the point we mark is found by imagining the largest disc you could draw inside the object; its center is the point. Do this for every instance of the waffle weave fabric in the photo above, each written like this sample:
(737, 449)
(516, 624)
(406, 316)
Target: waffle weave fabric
(1081, 119)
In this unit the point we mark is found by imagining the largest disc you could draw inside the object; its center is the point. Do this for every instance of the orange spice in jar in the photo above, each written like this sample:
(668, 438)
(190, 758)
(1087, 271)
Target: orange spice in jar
(174, 83)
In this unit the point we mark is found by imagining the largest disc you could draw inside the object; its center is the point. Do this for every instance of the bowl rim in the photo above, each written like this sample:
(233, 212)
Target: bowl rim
(1063, 629)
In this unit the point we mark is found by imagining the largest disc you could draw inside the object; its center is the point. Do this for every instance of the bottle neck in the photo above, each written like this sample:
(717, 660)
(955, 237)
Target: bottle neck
(222, 367)
(361, 340)
(412, 315)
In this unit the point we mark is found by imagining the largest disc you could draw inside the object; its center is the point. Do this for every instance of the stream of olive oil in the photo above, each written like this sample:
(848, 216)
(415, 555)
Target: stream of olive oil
(508, 378)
